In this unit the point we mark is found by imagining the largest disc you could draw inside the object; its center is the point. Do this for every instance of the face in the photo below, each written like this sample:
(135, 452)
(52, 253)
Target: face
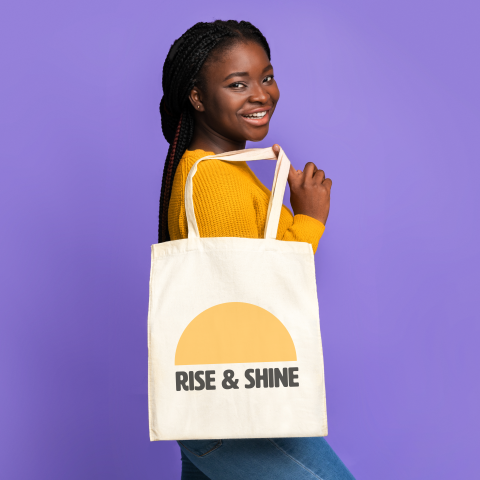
(239, 96)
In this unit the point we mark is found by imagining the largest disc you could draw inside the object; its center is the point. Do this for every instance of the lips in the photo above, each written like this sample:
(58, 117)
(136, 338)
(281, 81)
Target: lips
(257, 117)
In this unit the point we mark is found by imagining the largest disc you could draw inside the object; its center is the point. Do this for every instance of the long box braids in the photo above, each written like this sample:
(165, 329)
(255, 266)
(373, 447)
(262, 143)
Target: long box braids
(182, 70)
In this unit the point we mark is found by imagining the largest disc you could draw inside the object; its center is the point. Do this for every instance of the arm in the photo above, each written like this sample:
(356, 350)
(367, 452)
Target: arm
(302, 229)
(310, 200)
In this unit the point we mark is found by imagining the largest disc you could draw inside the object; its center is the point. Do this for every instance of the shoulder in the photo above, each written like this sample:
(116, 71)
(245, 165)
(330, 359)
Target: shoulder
(188, 160)
(211, 170)
(191, 156)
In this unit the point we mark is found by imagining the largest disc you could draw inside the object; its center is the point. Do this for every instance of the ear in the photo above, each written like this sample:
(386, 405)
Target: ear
(195, 98)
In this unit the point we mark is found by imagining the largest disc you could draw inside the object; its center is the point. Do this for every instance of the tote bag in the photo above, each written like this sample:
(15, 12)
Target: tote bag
(233, 330)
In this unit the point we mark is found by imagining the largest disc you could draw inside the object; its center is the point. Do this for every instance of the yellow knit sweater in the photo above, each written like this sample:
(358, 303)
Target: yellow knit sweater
(230, 201)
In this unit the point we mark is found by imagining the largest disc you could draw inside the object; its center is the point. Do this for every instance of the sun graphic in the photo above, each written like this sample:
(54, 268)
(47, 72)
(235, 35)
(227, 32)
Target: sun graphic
(234, 332)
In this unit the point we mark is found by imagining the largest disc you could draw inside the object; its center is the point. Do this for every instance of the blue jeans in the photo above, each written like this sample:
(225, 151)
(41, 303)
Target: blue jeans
(261, 459)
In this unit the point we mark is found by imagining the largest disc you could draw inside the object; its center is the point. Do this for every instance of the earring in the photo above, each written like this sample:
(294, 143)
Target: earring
(198, 106)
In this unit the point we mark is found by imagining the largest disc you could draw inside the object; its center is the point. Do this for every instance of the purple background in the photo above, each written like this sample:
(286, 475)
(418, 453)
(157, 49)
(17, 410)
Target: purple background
(382, 95)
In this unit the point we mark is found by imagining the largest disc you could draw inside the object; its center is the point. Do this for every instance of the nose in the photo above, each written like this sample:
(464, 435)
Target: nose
(259, 94)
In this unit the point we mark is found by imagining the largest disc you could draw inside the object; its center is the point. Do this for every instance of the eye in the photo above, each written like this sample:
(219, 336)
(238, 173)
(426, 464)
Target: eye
(268, 78)
(237, 85)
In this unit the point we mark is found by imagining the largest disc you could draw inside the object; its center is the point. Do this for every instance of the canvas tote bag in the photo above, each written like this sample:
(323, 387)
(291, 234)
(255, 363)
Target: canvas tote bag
(233, 330)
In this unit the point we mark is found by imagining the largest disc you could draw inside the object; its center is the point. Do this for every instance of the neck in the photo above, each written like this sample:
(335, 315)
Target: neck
(204, 138)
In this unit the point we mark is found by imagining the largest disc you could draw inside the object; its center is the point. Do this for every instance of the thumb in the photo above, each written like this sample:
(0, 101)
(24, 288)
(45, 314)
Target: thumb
(276, 149)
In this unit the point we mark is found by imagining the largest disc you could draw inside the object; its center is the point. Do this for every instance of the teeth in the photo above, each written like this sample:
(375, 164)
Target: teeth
(256, 115)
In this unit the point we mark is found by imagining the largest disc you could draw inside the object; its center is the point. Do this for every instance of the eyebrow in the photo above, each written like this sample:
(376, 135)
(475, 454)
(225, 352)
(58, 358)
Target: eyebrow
(245, 74)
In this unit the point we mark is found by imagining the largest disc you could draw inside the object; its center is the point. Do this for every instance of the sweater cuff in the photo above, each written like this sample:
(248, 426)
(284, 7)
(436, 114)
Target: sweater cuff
(312, 229)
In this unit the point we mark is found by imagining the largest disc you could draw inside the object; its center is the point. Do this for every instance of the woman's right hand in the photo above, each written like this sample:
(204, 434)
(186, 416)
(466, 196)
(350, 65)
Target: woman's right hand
(309, 191)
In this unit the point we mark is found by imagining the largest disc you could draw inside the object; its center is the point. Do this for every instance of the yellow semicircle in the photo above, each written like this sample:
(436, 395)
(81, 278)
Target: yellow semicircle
(234, 332)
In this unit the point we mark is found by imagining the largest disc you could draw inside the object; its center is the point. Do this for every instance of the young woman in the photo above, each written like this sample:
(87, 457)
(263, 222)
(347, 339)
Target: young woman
(219, 92)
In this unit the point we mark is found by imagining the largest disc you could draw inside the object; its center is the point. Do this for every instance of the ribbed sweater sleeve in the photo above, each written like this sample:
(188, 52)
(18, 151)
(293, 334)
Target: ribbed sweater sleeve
(230, 201)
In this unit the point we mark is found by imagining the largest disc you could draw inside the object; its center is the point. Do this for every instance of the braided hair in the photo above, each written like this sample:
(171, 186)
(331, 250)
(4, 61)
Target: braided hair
(182, 71)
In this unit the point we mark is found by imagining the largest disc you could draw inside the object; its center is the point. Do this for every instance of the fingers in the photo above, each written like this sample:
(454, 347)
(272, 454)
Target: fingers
(320, 175)
(309, 170)
(328, 184)
(293, 175)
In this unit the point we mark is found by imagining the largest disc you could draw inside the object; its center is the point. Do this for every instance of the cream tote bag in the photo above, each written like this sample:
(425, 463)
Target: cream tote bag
(233, 330)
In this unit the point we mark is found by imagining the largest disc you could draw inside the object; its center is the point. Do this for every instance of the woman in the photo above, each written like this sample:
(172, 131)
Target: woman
(219, 92)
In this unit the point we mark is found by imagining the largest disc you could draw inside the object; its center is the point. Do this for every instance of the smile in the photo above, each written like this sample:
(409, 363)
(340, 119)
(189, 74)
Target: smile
(257, 119)
(256, 115)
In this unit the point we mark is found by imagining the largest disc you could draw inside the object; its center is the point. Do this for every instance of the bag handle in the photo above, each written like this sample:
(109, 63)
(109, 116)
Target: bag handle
(278, 188)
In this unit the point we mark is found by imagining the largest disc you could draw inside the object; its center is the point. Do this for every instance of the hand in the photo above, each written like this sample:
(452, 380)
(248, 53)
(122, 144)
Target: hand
(309, 191)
